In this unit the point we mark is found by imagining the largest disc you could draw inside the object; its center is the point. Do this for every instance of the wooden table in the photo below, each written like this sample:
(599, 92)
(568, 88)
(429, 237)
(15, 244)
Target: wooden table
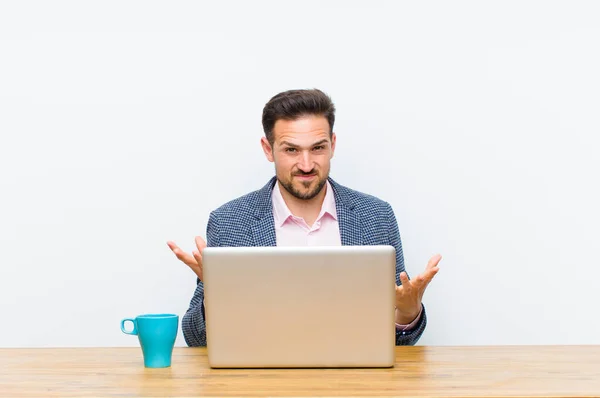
(419, 371)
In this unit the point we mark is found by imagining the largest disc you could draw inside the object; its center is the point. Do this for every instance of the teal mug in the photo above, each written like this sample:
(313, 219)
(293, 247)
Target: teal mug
(156, 333)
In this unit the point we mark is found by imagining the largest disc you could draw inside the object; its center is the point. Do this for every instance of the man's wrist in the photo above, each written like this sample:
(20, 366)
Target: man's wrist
(407, 318)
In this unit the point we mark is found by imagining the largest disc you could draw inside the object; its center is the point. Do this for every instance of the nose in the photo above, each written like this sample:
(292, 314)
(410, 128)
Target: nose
(305, 163)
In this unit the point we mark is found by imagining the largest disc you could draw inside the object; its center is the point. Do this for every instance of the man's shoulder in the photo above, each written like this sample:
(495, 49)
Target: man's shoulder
(239, 206)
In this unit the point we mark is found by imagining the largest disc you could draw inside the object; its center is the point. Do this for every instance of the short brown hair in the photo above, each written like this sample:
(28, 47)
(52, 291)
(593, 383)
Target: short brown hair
(292, 104)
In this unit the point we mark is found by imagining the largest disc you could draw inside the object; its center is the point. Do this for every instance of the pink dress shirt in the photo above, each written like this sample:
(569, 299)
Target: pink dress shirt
(294, 231)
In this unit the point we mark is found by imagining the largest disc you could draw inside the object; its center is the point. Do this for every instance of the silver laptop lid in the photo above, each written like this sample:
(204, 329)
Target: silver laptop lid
(300, 306)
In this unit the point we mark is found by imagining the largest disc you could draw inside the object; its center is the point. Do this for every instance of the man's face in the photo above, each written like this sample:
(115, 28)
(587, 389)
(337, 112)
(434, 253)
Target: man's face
(301, 151)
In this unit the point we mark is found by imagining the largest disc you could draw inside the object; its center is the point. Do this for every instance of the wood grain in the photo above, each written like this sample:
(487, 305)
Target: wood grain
(474, 371)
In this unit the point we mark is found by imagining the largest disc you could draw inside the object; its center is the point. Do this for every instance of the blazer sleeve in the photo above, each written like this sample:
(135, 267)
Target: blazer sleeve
(408, 337)
(193, 323)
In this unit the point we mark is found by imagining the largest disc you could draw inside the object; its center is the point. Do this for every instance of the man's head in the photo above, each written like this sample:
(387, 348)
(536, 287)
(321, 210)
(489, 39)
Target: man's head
(299, 139)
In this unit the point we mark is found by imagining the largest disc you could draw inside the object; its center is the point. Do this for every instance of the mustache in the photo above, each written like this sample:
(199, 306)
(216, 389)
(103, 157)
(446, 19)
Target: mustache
(302, 173)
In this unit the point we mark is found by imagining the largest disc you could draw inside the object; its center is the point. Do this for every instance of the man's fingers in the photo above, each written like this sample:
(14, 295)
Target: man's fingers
(433, 262)
(175, 249)
(431, 269)
(181, 255)
(197, 257)
(430, 273)
(198, 267)
(186, 258)
(423, 280)
(428, 278)
(200, 244)
(194, 261)
(404, 280)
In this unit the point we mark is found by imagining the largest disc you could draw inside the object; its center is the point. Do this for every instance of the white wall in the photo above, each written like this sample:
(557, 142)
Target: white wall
(123, 123)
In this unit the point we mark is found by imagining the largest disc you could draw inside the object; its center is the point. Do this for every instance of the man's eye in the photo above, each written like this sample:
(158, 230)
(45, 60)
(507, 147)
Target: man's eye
(290, 150)
(318, 147)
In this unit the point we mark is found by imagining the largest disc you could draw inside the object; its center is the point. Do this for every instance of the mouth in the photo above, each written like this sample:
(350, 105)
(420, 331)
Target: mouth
(305, 177)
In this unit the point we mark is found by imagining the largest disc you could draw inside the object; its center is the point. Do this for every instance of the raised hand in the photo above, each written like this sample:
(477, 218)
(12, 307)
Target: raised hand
(410, 293)
(194, 260)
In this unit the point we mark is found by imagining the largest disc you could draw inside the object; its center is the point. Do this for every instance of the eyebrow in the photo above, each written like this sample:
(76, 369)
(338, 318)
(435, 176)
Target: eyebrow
(323, 141)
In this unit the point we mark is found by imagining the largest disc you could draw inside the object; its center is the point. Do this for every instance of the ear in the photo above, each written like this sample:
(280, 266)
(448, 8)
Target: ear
(333, 140)
(267, 149)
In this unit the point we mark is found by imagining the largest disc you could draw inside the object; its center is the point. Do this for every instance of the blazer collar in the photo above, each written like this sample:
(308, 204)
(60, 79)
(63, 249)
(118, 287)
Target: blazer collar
(344, 198)
(345, 202)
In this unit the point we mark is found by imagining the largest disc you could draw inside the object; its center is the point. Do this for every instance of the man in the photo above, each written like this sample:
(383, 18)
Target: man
(302, 205)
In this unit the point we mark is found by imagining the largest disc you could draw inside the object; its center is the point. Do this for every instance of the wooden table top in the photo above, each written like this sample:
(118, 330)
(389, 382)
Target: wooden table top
(499, 371)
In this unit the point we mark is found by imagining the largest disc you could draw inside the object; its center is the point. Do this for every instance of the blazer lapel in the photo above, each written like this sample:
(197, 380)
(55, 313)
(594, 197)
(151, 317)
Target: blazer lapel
(263, 231)
(263, 228)
(348, 219)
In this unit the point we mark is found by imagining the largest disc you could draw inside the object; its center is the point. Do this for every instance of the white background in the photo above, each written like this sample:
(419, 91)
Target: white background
(123, 123)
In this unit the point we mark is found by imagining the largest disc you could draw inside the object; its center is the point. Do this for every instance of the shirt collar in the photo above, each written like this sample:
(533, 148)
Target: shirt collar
(281, 212)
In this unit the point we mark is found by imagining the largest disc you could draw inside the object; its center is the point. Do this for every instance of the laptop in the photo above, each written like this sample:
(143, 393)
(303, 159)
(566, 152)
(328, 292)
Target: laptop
(300, 307)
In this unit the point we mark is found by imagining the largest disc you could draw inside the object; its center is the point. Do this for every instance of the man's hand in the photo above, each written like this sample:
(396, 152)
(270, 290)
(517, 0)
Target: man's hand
(194, 261)
(410, 293)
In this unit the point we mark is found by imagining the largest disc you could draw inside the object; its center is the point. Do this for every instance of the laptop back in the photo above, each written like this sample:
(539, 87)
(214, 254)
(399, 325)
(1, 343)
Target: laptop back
(300, 306)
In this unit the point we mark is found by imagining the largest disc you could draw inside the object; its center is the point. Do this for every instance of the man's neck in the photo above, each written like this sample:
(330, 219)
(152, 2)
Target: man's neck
(308, 209)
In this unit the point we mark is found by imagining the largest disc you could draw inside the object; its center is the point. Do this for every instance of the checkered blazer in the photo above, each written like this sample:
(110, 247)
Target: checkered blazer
(248, 221)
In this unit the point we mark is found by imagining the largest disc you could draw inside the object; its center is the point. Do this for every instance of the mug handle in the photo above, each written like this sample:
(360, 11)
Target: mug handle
(134, 331)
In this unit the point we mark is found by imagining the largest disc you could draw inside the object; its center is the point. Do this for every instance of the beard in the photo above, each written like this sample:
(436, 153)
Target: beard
(304, 194)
